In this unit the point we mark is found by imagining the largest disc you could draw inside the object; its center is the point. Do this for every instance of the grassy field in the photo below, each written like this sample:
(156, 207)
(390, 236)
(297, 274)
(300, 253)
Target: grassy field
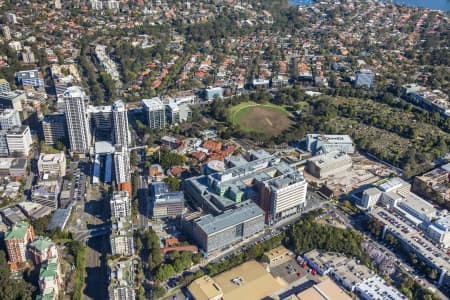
(260, 118)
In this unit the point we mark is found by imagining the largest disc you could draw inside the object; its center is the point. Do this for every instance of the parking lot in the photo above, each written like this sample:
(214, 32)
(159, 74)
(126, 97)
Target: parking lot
(415, 238)
(79, 185)
(177, 296)
(290, 271)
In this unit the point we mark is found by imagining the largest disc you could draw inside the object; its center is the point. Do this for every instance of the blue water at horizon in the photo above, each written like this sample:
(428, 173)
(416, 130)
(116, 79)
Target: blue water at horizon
(432, 4)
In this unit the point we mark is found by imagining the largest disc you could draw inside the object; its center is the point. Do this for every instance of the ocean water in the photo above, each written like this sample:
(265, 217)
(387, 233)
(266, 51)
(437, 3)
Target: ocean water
(433, 4)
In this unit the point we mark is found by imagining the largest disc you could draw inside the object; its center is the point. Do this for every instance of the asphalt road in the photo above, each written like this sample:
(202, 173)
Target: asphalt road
(143, 203)
(96, 280)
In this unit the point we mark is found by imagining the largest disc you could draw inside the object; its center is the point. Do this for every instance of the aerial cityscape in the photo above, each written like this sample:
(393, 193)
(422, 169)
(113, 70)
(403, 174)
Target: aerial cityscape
(225, 149)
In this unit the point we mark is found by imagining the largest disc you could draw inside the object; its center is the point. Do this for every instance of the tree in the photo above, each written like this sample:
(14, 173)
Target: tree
(134, 158)
(169, 159)
(173, 183)
(347, 204)
(10, 288)
(164, 272)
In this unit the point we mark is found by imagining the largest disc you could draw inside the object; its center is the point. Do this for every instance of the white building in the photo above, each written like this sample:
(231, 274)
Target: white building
(122, 244)
(15, 45)
(120, 124)
(4, 86)
(106, 62)
(121, 164)
(121, 279)
(120, 205)
(375, 288)
(329, 164)
(19, 140)
(176, 113)
(52, 164)
(396, 195)
(155, 113)
(288, 194)
(319, 143)
(370, 197)
(9, 118)
(439, 231)
(77, 120)
(122, 237)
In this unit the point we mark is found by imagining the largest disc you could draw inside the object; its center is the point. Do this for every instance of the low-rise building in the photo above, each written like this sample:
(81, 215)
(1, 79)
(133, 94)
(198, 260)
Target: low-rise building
(364, 78)
(213, 93)
(46, 193)
(14, 167)
(439, 231)
(278, 255)
(12, 215)
(433, 185)
(396, 195)
(375, 288)
(351, 275)
(319, 143)
(249, 280)
(324, 290)
(34, 211)
(54, 164)
(30, 78)
(328, 164)
(217, 232)
(205, 288)
(156, 172)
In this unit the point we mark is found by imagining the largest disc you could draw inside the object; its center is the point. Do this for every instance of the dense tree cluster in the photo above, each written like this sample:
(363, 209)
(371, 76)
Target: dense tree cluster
(307, 235)
(10, 288)
(168, 159)
(78, 251)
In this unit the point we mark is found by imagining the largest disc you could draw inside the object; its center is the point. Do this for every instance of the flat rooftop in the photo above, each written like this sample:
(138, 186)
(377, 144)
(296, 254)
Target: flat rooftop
(413, 236)
(212, 224)
(325, 290)
(331, 138)
(153, 103)
(377, 288)
(392, 184)
(330, 159)
(47, 158)
(205, 288)
(248, 281)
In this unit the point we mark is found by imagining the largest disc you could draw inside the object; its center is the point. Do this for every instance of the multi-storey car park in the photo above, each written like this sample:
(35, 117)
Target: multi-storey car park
(418, 226)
